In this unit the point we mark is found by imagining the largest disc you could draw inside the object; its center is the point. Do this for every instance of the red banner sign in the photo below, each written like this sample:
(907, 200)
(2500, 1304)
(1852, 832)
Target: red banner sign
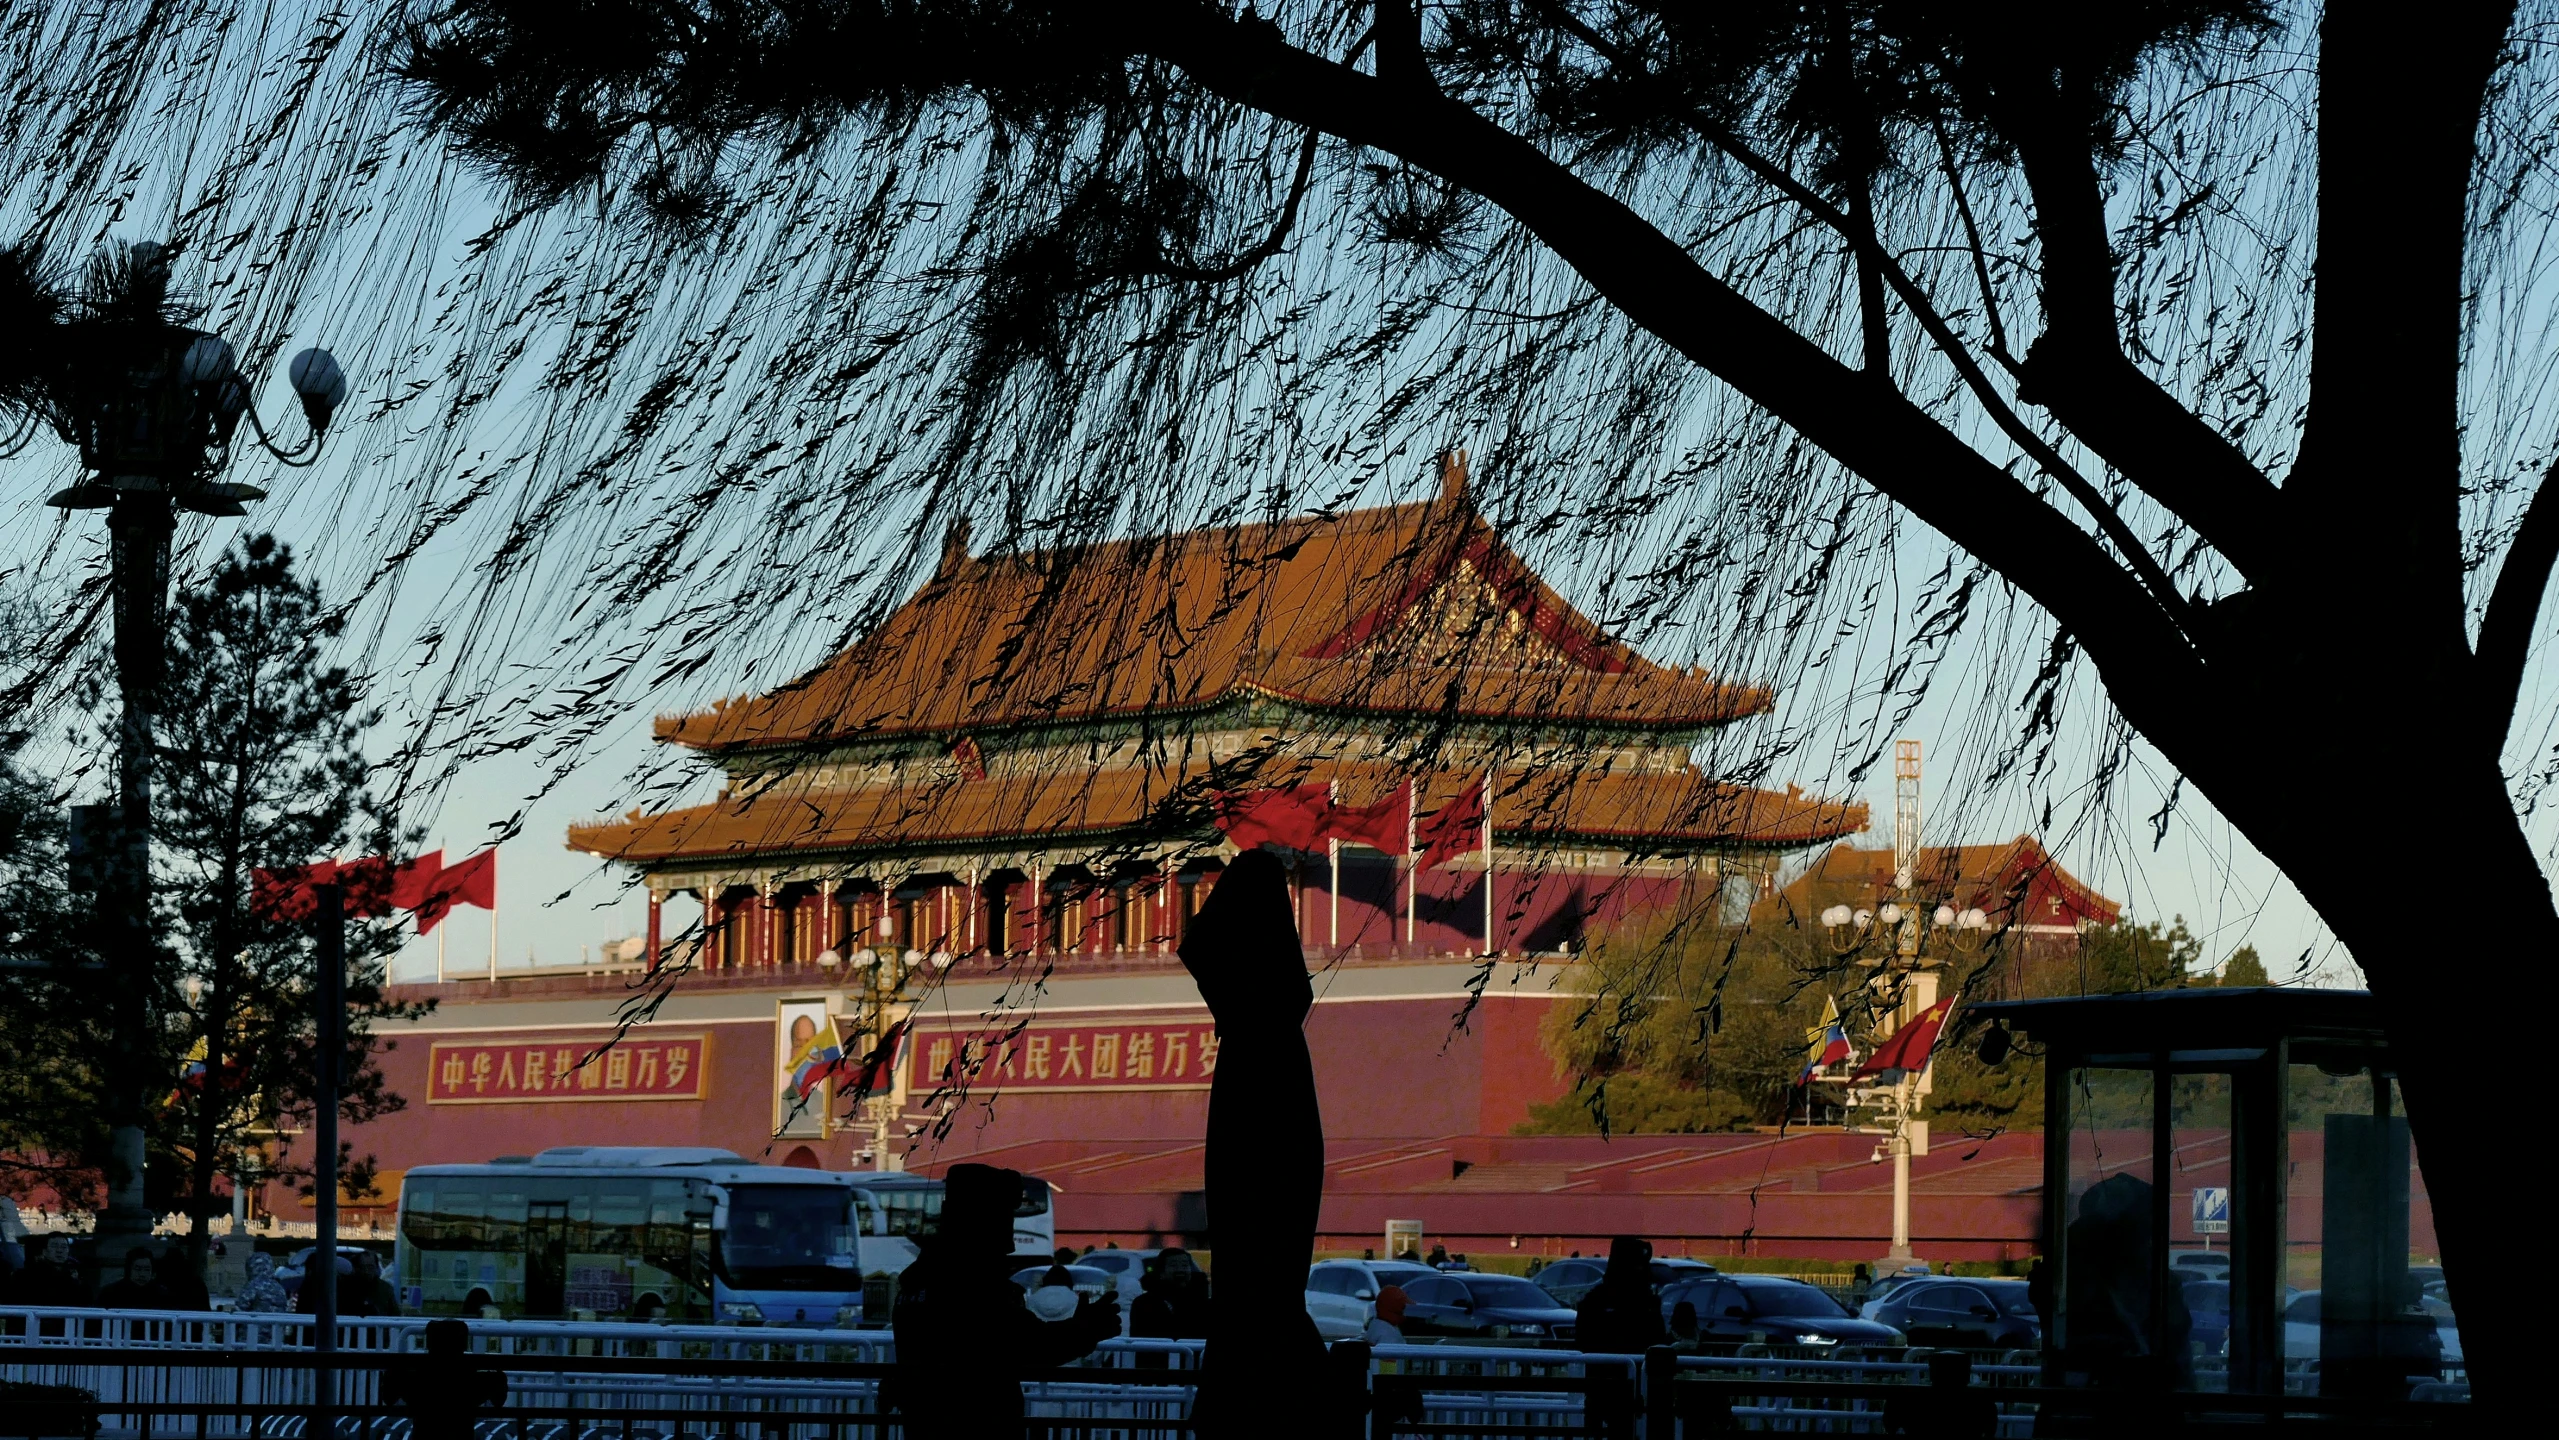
(1123, 1055)
(517, 1072)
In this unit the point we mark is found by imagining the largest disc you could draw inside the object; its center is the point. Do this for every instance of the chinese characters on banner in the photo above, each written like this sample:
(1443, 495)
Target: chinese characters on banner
(472, 1072)
(1125, 1055)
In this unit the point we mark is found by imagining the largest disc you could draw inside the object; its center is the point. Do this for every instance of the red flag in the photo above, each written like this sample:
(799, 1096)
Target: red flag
(473, 882)
(1294, 817)
(1908, 1048)
(286, 894)
(1454, 829)
(1385, 825)
(412, 879)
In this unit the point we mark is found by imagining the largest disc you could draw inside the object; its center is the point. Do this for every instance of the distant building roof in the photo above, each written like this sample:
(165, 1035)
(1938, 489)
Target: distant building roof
(1415, 611)
(2017, 884)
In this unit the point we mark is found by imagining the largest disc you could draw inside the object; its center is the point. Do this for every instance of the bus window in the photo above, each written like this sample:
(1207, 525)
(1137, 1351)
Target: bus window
(502, 1228)
(621, 1215)
(913, 1213)
(1034, 1197)
(789, 1237)
(446, 1217)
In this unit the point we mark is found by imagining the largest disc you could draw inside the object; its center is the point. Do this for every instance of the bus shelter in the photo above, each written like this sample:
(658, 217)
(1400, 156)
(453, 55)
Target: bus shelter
(2232, 1200)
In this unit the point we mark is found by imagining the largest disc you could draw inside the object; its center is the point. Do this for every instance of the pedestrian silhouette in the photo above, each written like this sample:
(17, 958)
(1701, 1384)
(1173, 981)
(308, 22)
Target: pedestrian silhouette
(1621, 1315)
(445, 1389)
(1264, 1162)
(1175, 1305)
(966, 1335)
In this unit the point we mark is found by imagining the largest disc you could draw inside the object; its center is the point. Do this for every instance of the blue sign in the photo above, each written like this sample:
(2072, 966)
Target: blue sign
(2212, 1209)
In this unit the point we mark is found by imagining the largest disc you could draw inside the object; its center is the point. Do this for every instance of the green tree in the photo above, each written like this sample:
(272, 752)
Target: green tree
(50, 1028)
(2243, 968)
(263, 768)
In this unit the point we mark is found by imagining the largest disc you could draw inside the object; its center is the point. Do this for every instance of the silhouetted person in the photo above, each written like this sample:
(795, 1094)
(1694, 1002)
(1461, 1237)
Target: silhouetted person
(1684, 1335)
(2107, 1304)
(1264, 1161)
(1175, 1305)
(185, 1286)
(965, 1333)
(380, 1296)
(1949, 1408)
(1621, 1315)
(140, 1289)
(51, 1278)
(306, 1300)
(446, 1388)
(1066, 1255)
(1439, 1257)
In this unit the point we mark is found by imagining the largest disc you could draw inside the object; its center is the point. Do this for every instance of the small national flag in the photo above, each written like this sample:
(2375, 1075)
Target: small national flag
(1454, 829)
(816, 1069)
(370, 886)
(1908, 1049)
(1825, 1044)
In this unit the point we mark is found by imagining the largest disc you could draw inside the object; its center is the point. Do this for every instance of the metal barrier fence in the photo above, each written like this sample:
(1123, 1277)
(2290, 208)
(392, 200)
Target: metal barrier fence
(227, 1377)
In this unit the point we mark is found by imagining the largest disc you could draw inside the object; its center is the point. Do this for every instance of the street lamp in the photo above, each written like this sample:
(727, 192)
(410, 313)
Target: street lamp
(153, 405)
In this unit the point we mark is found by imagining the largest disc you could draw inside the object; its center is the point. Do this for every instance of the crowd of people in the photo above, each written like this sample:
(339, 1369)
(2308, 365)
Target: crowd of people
(144, 1280)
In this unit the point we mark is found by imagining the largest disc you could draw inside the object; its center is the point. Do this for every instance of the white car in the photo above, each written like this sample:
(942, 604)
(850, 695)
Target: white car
(2301, 1330)
(1341, 1295)
(1125, 1267)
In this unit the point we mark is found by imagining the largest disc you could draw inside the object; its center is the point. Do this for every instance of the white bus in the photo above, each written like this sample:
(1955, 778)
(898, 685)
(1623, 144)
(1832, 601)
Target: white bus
(680, 1233)
(910, 1207)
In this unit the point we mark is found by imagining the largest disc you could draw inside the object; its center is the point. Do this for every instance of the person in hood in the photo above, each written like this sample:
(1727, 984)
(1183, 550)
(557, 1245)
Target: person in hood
(1386, 1327)
(263, 1292)
(1621, 1315)
(1054, 1299)
(1265, 1369)
(966, 1334)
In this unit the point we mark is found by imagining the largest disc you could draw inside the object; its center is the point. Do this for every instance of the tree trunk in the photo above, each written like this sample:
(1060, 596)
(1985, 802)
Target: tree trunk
(2319, 831)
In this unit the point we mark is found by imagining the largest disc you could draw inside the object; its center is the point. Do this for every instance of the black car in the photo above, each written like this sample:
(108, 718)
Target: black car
(1768, 1310)
(1569, 1280)
(1468, 1306)
(1963, 1314)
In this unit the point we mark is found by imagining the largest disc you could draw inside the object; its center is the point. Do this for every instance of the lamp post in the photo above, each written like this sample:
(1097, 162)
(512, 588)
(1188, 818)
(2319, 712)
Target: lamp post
(1904, 985)
(152, 404)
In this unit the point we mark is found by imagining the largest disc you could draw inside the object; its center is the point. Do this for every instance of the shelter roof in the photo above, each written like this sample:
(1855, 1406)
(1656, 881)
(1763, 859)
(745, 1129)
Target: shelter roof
(1416, 611)
(1643, 811)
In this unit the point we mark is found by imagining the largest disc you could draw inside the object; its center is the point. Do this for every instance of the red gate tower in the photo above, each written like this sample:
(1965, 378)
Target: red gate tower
(981, 829)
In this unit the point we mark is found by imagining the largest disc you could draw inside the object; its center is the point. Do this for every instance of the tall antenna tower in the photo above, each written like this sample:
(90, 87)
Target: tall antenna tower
(1905, 814)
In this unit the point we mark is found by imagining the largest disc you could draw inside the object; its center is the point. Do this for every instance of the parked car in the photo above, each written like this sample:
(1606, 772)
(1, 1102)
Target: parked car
(1127, 1268)
(2301, 1330)
(1470, 1306)
(1770, 1310)
(289, 1274)
(1342, 1294)
(2215, 1260)
(1569, 1280)
(1089, 1281)
(1881, 1288)
(1963, 1314)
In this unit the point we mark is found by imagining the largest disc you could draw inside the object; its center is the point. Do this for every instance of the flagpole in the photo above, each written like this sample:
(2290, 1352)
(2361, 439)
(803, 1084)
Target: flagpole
(1412, 856)
(493, 935)
(1489, 947)
(1333, 873)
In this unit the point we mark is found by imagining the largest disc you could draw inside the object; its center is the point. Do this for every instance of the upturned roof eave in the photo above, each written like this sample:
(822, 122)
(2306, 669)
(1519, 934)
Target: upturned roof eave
(1754, 700)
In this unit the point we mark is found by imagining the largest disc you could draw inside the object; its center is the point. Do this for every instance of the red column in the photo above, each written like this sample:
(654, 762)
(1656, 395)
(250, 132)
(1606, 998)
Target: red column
(714, 940)
(649, 957)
